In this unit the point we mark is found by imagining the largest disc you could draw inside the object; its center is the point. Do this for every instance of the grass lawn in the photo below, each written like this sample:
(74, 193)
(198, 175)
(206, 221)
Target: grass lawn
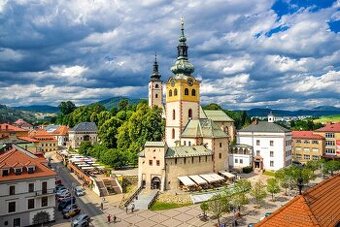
(166, 206)
(269, 173)
(331, 118)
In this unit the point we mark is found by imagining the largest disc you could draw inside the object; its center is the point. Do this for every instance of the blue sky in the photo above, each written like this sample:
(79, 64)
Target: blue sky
(248, 53)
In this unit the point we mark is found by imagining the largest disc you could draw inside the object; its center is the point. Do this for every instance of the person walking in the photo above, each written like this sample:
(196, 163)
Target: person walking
(126, 209)
(132, 207)
(114, 218)
(109, 218)
(102, 206)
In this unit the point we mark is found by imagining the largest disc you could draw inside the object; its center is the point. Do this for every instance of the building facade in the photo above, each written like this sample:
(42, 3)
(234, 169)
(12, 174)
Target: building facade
(240, 156)
(271, 144)
(331, 133)
(84, 131)
(307, 146)
(26, 189)
(192, 145)
(61, 135)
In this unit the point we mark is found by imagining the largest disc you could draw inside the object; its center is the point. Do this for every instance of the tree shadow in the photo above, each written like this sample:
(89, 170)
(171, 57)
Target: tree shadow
(268, 205)
(281, 199)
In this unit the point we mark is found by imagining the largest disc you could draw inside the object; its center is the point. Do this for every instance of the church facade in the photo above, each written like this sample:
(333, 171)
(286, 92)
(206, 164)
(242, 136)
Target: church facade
(196, 141)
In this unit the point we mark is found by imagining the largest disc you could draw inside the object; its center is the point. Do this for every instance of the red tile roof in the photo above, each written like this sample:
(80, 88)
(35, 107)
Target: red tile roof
(41, 135)
(318, 206)
(10, 128)
(22, 123)
(61, 130)
(28, 139)
(21, 158)
(306, 135)
(332, 127)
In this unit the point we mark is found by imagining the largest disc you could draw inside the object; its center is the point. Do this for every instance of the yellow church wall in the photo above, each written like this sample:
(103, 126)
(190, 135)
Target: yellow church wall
(181, 85)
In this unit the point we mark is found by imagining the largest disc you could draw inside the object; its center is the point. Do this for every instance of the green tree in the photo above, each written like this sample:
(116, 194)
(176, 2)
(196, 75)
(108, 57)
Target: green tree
(85, 147)
(108, 132)
(204, 207)
(258, 192)
(212, 106)
(123, 104)
(313, 165)
(114, 158)
(273, 187)
(283, 179)
(329, 167)
(66, 107)
(218, 205)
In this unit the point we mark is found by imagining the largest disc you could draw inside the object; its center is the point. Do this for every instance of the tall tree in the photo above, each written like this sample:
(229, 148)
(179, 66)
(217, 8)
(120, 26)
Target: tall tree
(67, 107)
(259, 192)
(273, 187)
(108, 132)
(218, 205)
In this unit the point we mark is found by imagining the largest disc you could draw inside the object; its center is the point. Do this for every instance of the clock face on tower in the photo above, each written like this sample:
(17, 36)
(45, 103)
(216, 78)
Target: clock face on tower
(173, 83)
(190, 82)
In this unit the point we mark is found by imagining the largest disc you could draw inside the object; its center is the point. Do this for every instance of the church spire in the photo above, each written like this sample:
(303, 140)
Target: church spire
(182, 65)
(155, 73)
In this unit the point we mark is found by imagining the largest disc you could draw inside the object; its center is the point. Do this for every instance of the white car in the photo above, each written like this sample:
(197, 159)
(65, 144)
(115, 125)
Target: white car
(79, 191)
(62, 192)
(81, 220)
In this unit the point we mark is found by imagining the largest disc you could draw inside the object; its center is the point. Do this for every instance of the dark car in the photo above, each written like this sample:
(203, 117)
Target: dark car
(64, 203)
(69, 207)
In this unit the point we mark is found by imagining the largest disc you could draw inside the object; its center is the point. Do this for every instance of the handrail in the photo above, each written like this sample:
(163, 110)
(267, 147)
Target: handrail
(153, 200)
(133, 196)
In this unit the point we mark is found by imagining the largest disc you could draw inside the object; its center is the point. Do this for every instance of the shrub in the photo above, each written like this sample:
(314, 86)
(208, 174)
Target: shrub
(247, 169)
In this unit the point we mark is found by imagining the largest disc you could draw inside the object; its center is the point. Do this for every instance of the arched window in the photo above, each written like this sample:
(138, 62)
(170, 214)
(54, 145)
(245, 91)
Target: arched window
(156, 95)
(173, 114)
(170, 93)
(173, 133)
(156, 86)
(193, 92)
(190, 113)
(175, 92)
(186, 91)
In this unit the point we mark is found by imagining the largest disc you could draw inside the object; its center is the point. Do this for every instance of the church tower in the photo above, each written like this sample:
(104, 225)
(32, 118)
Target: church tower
(182, 94)
(155, 87)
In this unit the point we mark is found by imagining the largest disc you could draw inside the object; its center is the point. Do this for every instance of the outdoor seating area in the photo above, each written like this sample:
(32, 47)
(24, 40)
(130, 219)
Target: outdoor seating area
(202, 181)
(87, 165)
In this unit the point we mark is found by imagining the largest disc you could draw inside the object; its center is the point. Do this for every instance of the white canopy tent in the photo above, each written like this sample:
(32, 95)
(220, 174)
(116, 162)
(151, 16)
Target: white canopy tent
(227, 174)
(198, 180)
(87, 167)
(211, 177)
(186, 181)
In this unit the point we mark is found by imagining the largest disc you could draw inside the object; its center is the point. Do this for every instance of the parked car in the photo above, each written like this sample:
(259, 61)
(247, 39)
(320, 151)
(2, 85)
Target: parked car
(69, 207)
(64, 203)
(61, 198)
(58, 188)
(265, 215)
(80, 219)
(79, 191)
(62, 191)
(71, 213)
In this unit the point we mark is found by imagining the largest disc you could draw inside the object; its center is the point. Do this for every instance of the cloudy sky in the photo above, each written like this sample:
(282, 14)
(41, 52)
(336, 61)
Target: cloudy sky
(248, 53)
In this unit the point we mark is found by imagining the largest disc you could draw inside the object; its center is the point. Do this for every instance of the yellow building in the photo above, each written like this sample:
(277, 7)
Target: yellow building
(307, 146)
(331, 133)
(195, 147)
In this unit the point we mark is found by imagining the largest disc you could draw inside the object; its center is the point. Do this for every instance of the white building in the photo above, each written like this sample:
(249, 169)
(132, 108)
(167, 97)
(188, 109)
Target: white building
(271, 144)
(240, 156)
(26, 189)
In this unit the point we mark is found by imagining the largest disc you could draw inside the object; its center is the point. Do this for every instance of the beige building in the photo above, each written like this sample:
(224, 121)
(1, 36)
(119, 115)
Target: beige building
(331, 133)
(84, 131)
(195, 147)
(307, 146)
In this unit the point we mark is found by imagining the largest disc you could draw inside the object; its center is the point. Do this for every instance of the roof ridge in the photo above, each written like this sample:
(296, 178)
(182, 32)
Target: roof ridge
(308, 210)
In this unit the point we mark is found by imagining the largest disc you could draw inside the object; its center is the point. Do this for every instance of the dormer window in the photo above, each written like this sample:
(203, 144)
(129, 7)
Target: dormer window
(5, 172)
(18, 171)
(30, 169)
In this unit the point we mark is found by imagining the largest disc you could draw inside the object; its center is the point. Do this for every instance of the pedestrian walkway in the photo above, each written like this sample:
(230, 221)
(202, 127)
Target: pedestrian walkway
(145, 197)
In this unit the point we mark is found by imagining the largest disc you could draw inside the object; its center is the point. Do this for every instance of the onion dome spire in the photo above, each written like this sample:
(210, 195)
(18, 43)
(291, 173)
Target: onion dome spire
(155, 73)
(182, 64)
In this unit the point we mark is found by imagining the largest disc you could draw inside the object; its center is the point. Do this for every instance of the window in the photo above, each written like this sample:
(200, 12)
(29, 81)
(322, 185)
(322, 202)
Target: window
(271, 143)
(306, 156)
(30, 170)
(220, 144)
(186, 91)
(170, 93)
(190, 113)
(199, 159)
(30, 204)
(150, 162)
(241, 161)
(12, 190)
(156, 86)
(173, 133)
(206, 158)
(185, 143)
(5, 172)
(192, 159)
(31, 187)
(330, 150)
(220, 155)
(271, 163)
(236, 160)
(298, 141)
(330, 143)
(158, 163)
(175, 161)
(258, 153)
(16, 222)
(189, 143)
(272, 154)
(18, 171)
(306, 150)
(185, 160)
(44, 201)
(11, 207)
(329, 135)
(193, 92)
(298, 148)
(315, 142)
(298, 156)
(44, 187)
(306, 142)
(175, 92)
(315, 149)
(315, 157)
(257, 142)
(156, 95)
(173, 115)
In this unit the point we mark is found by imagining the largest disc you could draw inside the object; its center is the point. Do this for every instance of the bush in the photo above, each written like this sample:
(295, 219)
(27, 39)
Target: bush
(247, 169)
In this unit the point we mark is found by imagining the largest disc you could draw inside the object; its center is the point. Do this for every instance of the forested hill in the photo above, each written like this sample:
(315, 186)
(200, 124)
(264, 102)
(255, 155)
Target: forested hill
(8, 114)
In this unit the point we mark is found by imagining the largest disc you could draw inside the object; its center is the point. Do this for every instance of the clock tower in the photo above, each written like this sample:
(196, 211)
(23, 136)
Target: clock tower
(182, 94)
(155, 87)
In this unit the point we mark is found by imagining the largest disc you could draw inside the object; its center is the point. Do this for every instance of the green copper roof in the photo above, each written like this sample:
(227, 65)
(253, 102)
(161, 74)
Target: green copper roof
(182, 64)
(217, 115)
(203, 128)
(186, 151)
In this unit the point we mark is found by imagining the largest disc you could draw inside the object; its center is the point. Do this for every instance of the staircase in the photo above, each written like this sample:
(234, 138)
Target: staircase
(145, 198)
(102, 188)
(112, 185)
